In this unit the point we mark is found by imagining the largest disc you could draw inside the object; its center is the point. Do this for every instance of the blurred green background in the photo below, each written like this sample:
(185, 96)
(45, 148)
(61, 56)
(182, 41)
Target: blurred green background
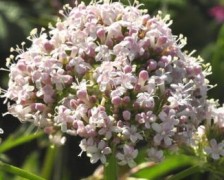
(195, 19)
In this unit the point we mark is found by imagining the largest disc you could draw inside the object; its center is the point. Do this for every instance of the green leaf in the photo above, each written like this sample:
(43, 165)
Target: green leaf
(13, 141)
(20, 172)
(185, 173)
(168, 165)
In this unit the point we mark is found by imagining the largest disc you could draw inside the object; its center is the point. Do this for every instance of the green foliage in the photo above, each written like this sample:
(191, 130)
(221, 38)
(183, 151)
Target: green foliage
(13, 141)
(20, 172)
(170, 164)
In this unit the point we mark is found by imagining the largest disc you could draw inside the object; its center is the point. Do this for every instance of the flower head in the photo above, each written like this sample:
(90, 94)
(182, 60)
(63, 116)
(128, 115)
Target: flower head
(114, 76)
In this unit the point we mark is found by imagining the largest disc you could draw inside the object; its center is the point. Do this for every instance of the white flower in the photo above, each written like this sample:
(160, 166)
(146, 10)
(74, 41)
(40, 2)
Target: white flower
(129, 153)
(145, 100)
(215, 150)
(155, 155)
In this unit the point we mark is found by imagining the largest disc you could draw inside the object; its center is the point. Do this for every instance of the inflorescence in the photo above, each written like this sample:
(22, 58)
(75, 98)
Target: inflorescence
(116, 77)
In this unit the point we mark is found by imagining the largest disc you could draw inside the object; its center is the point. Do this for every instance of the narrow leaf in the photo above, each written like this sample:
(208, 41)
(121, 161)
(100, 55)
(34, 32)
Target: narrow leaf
(12, 142)
(171, 163)
(20, 172)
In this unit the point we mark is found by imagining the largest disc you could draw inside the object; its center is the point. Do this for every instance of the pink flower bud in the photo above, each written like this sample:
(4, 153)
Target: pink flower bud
(197, 70)
(48, 46)
(161, 40)
(152, 65)
(143, 75)
(126, 99)
(101, 34)
(38, 106)
(49, 130)
(116, 100)
(73, 103)
(21, 66)
(183, 119)
(145, 18)
(120, 124)
(82, 94)
(93, 99)
(126, 115)
(127, 69)
(164, 60)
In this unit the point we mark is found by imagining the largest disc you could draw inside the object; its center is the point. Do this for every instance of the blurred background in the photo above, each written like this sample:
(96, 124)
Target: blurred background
(201, 21)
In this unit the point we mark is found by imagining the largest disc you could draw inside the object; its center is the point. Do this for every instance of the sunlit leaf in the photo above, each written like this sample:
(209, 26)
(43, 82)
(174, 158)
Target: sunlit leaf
(168, 165)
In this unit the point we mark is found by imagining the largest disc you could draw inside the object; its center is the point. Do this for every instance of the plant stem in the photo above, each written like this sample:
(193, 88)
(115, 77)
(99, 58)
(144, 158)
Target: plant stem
(185, 173)
(20, 172)
(110, 168)
(49, 162)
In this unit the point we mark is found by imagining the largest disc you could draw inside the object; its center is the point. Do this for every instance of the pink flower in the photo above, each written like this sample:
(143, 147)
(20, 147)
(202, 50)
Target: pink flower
(217, 12)
(114, 76)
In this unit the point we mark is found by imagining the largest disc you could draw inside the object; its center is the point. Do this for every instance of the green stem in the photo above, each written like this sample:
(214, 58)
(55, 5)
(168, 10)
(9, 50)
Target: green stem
(110, 168)
(185, 173)
(20, 172)
(49, 162)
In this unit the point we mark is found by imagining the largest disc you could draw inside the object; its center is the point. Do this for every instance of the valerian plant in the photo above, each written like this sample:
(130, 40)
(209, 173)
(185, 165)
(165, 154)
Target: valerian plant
(116, 77)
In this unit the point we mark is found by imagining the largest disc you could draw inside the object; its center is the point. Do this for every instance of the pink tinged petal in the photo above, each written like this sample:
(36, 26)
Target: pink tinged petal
(21, 66)
(157, 127)
(106, 151)
(168, 141)
(48, 93)
(38, 106)
(101, 144)
(101, 34)
(120, 156)
(157, 139)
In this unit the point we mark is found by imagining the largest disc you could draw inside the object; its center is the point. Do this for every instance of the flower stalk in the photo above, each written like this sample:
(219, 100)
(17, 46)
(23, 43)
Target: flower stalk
(111, 168)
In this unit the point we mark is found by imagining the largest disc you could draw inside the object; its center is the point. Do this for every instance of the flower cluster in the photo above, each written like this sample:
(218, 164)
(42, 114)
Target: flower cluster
(114, 76)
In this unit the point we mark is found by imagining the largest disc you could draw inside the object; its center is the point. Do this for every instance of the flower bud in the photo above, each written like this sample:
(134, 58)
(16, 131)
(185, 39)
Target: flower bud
(126, 115)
